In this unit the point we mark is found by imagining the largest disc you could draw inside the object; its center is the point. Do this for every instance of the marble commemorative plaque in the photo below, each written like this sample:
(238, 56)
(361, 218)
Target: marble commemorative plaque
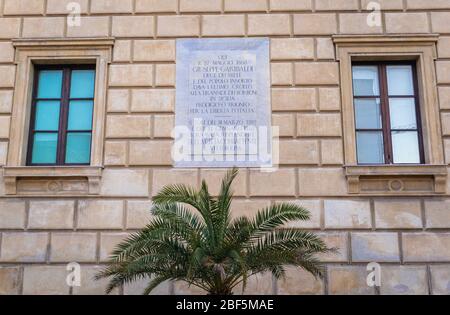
(223, 111)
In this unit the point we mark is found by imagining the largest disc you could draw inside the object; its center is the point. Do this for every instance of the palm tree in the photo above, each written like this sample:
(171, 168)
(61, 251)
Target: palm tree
(208, 249)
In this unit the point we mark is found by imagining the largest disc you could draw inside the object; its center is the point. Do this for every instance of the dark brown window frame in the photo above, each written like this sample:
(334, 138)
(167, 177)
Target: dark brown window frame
(385, 113)
(63, 115)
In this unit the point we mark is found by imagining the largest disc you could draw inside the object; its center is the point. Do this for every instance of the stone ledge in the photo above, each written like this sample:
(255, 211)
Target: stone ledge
(12, 175)
(396, 179)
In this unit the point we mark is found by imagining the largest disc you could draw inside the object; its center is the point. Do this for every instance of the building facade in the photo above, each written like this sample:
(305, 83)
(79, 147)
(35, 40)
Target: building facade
(361, 97)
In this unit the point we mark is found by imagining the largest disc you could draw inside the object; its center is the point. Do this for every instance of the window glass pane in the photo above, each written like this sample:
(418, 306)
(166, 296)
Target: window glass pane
(47, 116)
(368, 113)
(403, 113)
(44, 148)
(405, 145)
(400, 80)
(370, 147)
(78, 149)
(50, 84)
(365, 81)
(82, 84)
(80, 115)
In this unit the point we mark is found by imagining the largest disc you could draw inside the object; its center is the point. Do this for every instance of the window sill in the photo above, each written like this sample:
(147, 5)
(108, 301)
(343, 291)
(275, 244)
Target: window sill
(396, 179)
(52, 179)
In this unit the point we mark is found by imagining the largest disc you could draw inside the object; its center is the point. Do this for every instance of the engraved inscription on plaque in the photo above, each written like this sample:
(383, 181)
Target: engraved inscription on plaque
(223, 112)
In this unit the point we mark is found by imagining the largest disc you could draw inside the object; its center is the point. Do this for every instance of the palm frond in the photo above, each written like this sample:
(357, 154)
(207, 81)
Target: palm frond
(191, 238)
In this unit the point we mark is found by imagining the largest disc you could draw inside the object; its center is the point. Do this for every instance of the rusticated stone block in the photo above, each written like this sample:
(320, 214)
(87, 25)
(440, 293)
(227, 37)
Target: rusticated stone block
(200, 6)
(349, 280)
(439, 21)
(287, 5)
(90, 27)
(315, 24)
(9, 280)
(278, 183)
(125, 182)
(347, 214)
(285, 124)
(163, 126)
(426, 247)
(118, 100)
(437, 213)
(9, 27)
(154, 50)
(108, 243)
(45, 280)
(213, 178)
(322, 182)
(401, 23)
(6, 98)
(73, 247)
(337, 241)
(89, 286)
(54, 214)
(153, 100)
(259, 284)
(293, 99)
(60, 6)
(7, 76)
(281, 73)
(316, 73)
(100, 214)
(223, 25)
(319, 125)
(138, 287)
(6, 53)
(143, 152)
(299, 282)
(245, 6)
(151, 6)
(440, 279)
(404, 280)
(268, 24)
(112, 6)
(356, 23)
(24, 247)
(178, 26)
(23, 7)
(294, 152)
(314, 207)
(128, 126)
(378, 247)
(247, 208)
(163, 178)
(138, 214)
(43, 27)
(115, 152)
(12, 214)
(291, 48)
(336, 5)
(390, 214)
(131, 75)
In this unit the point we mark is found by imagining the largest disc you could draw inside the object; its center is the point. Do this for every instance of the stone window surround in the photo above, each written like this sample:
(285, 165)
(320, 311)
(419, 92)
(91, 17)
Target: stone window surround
(29, 52)
(420, 48)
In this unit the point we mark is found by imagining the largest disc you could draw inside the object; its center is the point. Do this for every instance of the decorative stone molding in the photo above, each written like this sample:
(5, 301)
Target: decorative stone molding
(52, 180)
(30, 52)
(394, 179)
(397, 179)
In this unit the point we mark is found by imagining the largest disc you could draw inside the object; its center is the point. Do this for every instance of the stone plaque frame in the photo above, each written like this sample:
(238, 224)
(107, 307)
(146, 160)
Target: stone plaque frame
(253, 52)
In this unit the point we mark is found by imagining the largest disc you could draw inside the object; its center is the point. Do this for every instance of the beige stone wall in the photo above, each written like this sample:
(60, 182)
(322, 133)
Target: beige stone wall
(409, 236)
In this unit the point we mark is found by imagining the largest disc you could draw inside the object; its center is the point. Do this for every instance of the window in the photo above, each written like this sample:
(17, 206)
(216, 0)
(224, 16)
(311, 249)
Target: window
(390, 115)
(61, 118)
(387, 115)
